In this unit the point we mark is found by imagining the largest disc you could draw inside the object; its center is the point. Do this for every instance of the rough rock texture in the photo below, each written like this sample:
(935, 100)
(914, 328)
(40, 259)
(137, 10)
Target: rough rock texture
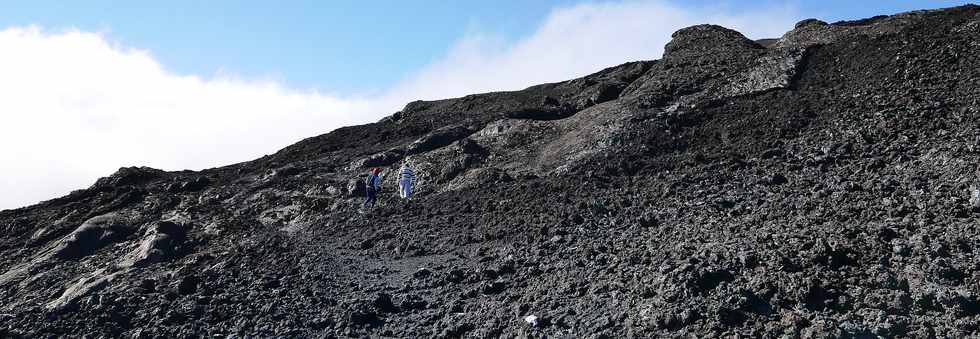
(438, 139)
(161, 242)
(92, 235)
(820, 185)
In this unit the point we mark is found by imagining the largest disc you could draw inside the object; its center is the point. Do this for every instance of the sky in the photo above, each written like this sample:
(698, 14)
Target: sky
(88, 87)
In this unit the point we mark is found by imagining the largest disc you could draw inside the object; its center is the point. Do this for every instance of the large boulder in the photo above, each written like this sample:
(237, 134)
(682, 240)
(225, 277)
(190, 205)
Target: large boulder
(92, 235)
(438, 138)
(160, 243)
(703, 40)
(128, 176)
(382, 159)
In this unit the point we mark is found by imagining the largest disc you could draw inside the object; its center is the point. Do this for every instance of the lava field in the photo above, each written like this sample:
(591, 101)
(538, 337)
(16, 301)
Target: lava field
(824, 184)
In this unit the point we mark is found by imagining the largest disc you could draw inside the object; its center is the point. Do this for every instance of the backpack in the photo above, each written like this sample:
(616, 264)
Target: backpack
(368, 183)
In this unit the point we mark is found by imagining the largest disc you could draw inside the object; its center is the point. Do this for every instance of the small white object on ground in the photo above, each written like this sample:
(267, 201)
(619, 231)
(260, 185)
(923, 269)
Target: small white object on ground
(532, 319)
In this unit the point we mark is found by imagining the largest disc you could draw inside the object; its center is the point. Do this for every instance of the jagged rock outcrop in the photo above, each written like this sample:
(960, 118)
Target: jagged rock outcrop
(438, 138)
(92, 235)
(822, 184)
(160, 242)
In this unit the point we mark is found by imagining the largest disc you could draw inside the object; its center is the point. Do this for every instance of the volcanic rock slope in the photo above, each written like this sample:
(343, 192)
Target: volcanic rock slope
(822, 185)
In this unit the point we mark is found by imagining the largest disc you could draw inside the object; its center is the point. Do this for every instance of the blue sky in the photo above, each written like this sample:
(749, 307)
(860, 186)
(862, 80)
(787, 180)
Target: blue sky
(339, 47)
(91, 86)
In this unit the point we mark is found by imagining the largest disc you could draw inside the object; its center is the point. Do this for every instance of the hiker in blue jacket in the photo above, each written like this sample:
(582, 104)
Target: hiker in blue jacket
(371, 187)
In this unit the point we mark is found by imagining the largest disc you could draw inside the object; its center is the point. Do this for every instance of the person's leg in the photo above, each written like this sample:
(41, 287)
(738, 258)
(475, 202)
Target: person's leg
(408, 190)
(370, 198)
(401, 189)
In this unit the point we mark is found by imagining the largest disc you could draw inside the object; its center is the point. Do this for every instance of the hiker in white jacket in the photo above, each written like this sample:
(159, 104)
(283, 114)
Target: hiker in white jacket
(405, 179)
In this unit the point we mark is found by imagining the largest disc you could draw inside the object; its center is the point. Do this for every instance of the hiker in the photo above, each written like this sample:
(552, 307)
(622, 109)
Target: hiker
(405, 179)
(371, 187)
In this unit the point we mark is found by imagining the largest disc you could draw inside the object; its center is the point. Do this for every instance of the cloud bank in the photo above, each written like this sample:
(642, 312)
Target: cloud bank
(74, 106)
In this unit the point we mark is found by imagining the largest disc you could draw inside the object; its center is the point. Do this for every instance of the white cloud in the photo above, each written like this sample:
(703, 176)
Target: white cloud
(74, 107)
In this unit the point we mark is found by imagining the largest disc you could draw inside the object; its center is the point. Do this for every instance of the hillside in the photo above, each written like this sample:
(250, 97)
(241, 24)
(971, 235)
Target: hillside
(823, 184)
